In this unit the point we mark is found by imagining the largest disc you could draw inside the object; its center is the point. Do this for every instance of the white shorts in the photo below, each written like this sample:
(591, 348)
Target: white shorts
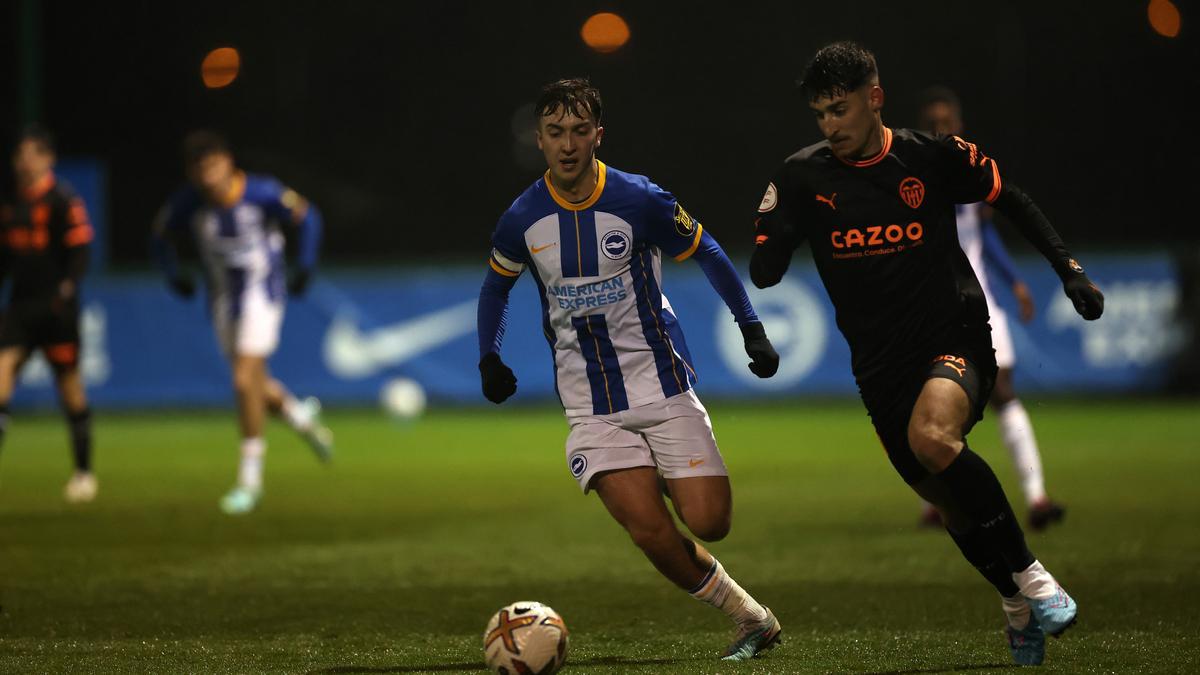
(674, 435)
(1001, 338)
(251, 326)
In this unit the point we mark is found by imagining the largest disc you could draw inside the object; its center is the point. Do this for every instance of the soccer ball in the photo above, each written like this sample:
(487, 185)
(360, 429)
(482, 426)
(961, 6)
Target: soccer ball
(402, 398)
(525, 638)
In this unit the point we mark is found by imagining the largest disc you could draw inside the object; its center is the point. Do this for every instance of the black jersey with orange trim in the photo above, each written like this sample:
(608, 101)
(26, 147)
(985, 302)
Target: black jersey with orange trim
(883, 235)
(44, 235)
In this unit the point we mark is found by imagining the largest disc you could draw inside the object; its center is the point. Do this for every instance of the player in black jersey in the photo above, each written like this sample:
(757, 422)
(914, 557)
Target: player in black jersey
(877, 208)
(44, 238)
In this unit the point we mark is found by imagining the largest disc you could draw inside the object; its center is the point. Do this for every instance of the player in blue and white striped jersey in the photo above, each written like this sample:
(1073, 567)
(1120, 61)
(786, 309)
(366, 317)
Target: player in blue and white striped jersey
(593, 238)
(237, 222)
(941, 113)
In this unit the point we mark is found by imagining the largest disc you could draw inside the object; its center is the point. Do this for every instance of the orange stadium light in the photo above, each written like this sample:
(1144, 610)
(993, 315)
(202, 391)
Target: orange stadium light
(1164, 17)
(220, 67)
(605, 32)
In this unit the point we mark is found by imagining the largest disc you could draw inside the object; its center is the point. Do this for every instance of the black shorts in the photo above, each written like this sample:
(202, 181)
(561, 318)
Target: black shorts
(970, 363)
(43, 325)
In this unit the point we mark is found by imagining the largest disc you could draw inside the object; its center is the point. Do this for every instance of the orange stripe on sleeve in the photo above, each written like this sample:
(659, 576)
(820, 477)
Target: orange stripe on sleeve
(695, 244)
(996, 184)
(78, 235)
(500, 270)
(77, 213)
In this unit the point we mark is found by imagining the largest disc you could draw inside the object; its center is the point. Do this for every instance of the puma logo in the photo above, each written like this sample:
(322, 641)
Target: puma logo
(828, 200)
(958, 370)
(958, 363)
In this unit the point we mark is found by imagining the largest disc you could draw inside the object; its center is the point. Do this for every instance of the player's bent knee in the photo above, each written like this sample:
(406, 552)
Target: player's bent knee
(712, 528)
(708, 520)
(934, 447)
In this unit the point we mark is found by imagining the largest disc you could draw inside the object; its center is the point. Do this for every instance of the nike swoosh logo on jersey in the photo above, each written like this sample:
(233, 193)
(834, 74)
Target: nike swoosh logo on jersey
(538, 249)
(695, 462)
(351, 353)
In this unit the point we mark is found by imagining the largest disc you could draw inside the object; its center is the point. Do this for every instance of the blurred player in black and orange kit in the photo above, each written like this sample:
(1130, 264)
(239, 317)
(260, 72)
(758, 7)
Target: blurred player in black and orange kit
(44, 238)
(940, 112)
(877, 208)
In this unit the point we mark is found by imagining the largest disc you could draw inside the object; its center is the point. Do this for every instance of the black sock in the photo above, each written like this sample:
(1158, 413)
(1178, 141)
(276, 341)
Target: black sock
(973, 485)
(975, 549)
(3, 423)
(80, 424)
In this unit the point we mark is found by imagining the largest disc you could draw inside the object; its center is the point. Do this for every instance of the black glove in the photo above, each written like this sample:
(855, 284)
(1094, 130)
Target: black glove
(299, 282)
(182, 286)
(498, 380)
(1088, 299)
(763, 359)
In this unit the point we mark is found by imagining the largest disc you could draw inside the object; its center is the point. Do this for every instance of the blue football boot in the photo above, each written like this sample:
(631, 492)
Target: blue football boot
(754, 639)
(1055, 613)
(1028, 645)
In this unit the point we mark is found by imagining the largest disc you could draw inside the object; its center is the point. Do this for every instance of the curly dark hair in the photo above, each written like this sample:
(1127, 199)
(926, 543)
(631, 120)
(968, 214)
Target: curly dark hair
(203, 142)
(837, 69)
(574, 95)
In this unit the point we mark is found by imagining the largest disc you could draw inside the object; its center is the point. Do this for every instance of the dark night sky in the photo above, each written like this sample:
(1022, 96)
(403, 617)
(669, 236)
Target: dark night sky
(397, 117)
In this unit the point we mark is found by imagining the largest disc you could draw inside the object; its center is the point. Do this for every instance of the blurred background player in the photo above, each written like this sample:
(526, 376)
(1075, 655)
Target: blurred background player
(594, 238)
(44, 238)
(940, 112)
(912, 310)
(236, 222)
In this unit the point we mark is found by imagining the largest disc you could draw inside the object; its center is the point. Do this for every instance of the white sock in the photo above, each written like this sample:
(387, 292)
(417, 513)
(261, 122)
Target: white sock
(250, 470)
(721, 591)
(1035, 582)
(294, 414)
(1016, 610)
(1017, 433)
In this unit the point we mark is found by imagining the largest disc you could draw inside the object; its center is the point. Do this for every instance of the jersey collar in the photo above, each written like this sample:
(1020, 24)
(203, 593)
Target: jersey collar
(887, 147)
(40, 188)
(237, 189)
(601, 174)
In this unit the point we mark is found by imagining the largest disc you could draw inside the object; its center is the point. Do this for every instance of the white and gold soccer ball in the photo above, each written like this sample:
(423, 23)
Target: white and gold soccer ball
(525, 638)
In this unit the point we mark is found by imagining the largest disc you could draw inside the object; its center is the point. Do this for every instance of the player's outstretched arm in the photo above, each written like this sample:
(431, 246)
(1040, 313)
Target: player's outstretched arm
(997, 259)
(1018, 207)
(165, 253)
(497, 379)
(725, 280)
(995, 253)
(309, 231)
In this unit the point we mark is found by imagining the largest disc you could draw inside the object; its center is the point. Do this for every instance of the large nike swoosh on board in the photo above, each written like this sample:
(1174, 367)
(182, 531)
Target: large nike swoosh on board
(350, 353)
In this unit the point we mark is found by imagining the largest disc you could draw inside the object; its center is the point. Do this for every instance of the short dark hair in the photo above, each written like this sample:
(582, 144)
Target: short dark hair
(938, 94)
(203, 142)
(574, 95)
(37, 134)
(837, 69)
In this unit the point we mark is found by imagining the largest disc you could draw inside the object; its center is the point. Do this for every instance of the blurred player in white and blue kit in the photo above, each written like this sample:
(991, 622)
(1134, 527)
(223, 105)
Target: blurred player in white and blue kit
(236, 223)
(593, 238)
(941, 113)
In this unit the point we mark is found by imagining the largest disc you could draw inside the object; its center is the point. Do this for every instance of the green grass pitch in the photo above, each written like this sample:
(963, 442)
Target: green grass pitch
(392, 559)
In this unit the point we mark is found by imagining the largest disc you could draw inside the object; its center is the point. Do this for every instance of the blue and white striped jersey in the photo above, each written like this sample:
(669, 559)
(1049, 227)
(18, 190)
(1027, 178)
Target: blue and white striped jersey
(240, 242)
(597, 265)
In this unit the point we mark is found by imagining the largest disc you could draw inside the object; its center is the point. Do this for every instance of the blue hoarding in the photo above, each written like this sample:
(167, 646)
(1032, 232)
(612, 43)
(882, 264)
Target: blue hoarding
(354, 331)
